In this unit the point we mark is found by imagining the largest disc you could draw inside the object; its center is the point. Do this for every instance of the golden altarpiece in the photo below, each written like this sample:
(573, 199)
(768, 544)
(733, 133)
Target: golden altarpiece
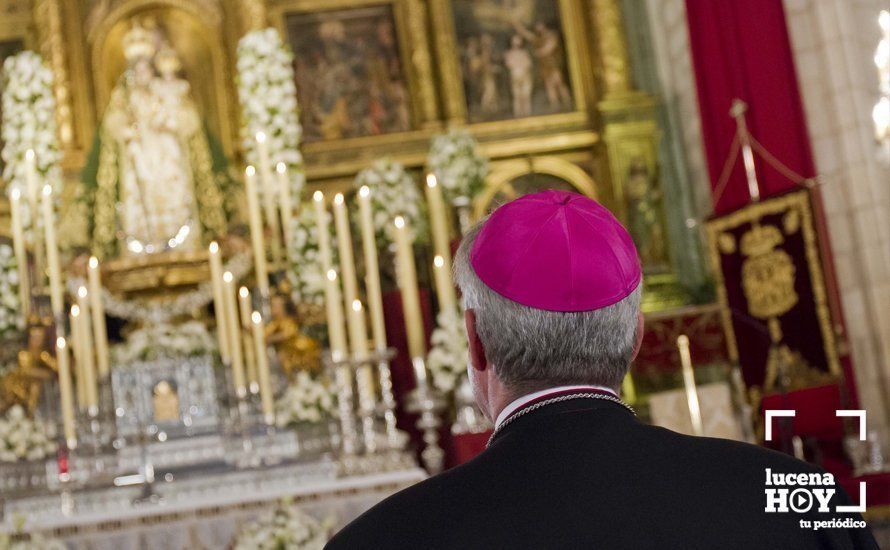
(448, 64)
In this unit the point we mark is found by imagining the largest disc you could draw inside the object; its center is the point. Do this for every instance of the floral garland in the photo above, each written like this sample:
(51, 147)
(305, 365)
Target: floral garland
(28, 122)
(305, 401)
(284, 527)
(393, 193)
(305, 275)
(269, 102)
(454, 160)
(22, 438)
(10, 319)
(447, 359)
(179, 340)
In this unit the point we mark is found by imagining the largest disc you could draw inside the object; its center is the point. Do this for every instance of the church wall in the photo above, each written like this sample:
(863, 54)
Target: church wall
(833, 43)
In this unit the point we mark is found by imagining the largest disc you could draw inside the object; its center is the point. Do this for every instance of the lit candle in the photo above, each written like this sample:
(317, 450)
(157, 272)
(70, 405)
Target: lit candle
(269, 193)
(246, 308)
(66, 393)
(444, 286)
(219, 304)
(31, 180)
(21, 254)
(256, 233)
(97, 307)
(85, 334)
(689, 383)
(287, 206)
(355, 320)
(259, 341)
(407, 276)
(334, 309)
(324, 234)
(74, 323)
(231, 318)
(33, 188)
(52, 253)
(359, 340)
(372, 269)
(438, 220)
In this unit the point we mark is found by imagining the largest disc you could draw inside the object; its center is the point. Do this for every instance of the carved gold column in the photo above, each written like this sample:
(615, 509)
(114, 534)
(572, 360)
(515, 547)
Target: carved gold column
(51, 44)
(253, 14)
(629, 129)
(421, 64)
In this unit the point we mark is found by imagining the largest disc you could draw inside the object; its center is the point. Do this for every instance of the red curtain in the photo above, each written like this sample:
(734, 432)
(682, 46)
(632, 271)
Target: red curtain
(741, 49)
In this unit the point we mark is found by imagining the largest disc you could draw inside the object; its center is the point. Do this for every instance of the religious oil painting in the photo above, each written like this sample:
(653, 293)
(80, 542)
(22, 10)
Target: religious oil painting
(513, 58)
(349, 74)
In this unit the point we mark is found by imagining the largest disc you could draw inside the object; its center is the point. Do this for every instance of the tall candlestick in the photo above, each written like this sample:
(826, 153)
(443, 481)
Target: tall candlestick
(74, 323)
(33, 188)
(444, 286)
(65, 393)
(85, 334)
(324, 234)
(52, 254)
(354, 320)
(334, 309)
(256, 233)
(689, 383)
(287, 206)
(408, 287)
(21, 254)
(246, 308)
(97, 307)
(259, 341)
(219, 304)
(234, 335)
(269, 194)
(438, 220)
(372, 269)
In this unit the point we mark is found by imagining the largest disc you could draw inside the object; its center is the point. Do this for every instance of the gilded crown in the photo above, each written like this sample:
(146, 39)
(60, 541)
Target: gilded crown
(760, 240)
(139, 42)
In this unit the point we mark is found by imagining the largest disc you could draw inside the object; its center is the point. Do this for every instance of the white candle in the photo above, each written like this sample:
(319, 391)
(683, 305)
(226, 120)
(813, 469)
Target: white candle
(233, 331)
(287, 206)
(97, 307)
(444, 286)
(372, 268)
(85, 334)
(324, 234)
(359, 340)
(52, 253)
(66, 394)
(438, 219)
(74, 324)
(219, 304)
(409, 290)
(334, 309)
(269, 194)
(256, 233)
(34, 189)
(31, 180)
(354, 320)
(259, 340)
(21, 254)
(246, 308)
(689, 383)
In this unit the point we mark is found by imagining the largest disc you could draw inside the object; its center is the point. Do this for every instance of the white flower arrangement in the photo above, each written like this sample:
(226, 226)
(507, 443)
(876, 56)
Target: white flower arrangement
(393, 193)
(454, 159)
(284, 528)
(269, 102)
(306, 274)
(164, 340)
(305, 401)
(10, 318)
(28, 123)
(448, 356)
(22, 438)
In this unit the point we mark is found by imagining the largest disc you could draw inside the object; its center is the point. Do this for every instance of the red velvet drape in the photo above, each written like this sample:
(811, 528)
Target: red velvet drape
(741, 49)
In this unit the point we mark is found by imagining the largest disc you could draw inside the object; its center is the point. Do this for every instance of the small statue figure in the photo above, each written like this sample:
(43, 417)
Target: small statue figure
(295, 350)
(36, 365)
(166, 402)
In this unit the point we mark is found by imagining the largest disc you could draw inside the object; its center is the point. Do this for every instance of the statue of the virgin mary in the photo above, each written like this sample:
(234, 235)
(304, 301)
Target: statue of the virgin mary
(151, 173)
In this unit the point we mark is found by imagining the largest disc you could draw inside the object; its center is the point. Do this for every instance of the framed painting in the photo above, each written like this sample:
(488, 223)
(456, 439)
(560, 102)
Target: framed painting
(348, 64)
(510, 59)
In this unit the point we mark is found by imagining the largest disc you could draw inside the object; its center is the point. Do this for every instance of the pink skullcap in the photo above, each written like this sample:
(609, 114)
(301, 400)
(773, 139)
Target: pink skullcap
(557, 251)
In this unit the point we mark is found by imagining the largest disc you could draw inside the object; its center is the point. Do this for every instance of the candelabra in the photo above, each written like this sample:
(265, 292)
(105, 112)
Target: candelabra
(428, 405)
(881, 111)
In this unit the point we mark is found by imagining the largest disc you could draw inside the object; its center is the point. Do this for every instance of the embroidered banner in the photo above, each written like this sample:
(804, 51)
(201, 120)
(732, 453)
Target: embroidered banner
(772, 292)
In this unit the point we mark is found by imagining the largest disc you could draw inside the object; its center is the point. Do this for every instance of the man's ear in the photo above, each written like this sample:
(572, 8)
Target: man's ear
(477, 350)
(639, 335)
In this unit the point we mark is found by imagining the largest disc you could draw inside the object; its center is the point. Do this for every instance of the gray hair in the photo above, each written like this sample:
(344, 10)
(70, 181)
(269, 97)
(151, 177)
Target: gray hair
(534, 348)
